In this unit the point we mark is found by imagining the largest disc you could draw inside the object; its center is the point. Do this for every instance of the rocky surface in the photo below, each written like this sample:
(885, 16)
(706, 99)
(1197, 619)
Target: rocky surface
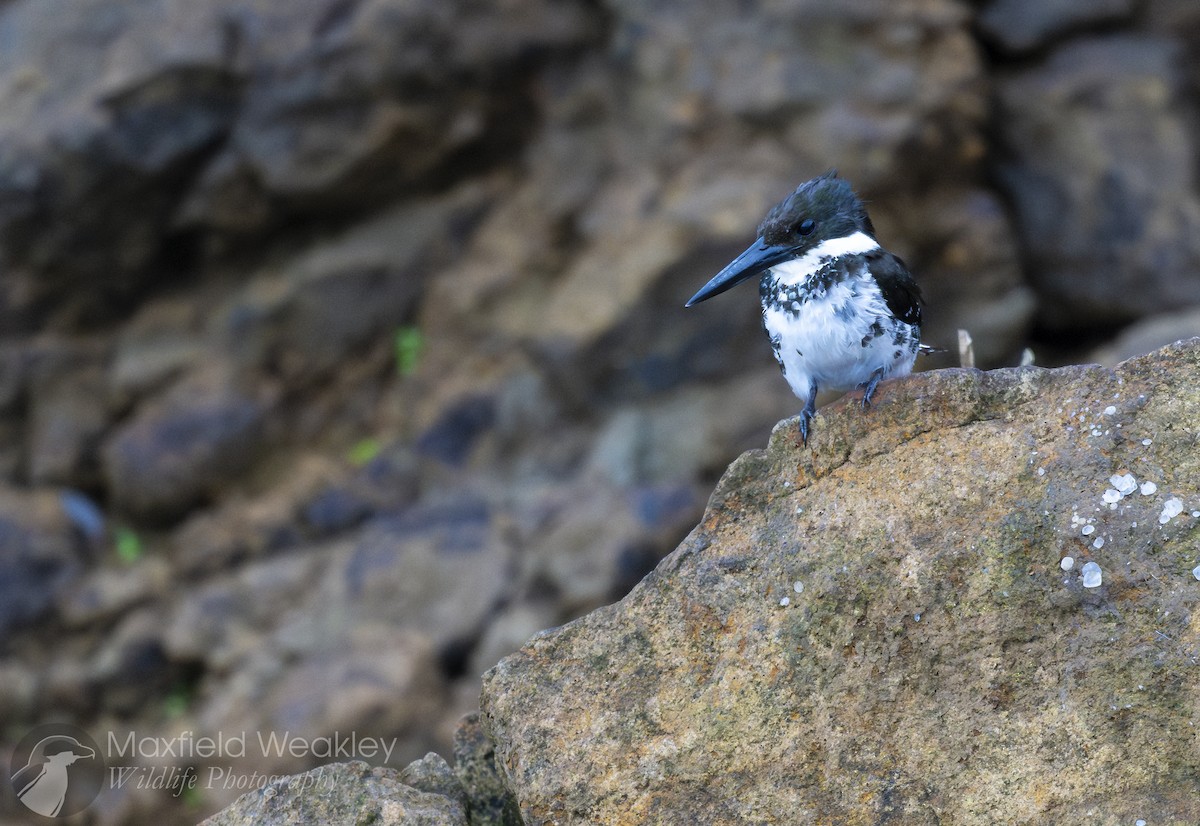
(335, 329)
(426, 791)
(883, 627)
(343, 794)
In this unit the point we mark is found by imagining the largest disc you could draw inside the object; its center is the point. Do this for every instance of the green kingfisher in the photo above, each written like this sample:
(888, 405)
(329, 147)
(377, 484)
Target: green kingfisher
(841, 311)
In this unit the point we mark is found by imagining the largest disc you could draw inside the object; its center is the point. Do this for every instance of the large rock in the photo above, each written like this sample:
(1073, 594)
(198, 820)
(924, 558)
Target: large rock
(230, 116)
(1100, 169)
(896, 96)
(96, 147)
(883, 627)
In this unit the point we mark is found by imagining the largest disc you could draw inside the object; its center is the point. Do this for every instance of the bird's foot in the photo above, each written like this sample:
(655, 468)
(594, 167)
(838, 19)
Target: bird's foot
(806, 415)
(870, 385)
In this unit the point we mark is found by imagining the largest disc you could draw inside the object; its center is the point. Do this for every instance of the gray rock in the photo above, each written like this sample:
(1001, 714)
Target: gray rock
(68, 415)
(105, 593)
(19, 686)
(597, 540)
(380, 101)
(489, 802)
(876, 627)
(56, 383)
(440, 569)
(342, 794)
(244, 528)
(93, 154)
(185, 114)
(318, 677)
(14, 375)
(1148, 335)
(178, 451)
(432, 774)
(41, 555)
(224, 621)
(129, 672)
(1023, 25)
(1101, 178)
(155, 347)
(508, 629)
(304, 317)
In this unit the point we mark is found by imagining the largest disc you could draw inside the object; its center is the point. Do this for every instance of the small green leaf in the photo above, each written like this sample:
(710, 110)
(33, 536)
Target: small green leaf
(191, 796)
(363, 452)
(409, 343)
(128, 546)
(177, 702)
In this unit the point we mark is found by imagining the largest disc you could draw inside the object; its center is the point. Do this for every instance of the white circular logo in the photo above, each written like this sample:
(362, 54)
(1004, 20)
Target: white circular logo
(57, 770)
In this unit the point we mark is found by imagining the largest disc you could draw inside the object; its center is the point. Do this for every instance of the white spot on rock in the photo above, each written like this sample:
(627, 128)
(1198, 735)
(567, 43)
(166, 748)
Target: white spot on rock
(1067, 563)
(1147, 442)
(1125, 483)
(1196, 572)
(1088, 530)
(785, 602)
(1111, 496)
(1149, 488)
(1110, 410)
(798, 587)
(1098, 543)
(1093, 577)
(1171, 508)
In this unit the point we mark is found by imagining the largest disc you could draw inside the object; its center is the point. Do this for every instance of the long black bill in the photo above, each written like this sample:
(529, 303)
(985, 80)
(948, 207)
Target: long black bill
(759, 258)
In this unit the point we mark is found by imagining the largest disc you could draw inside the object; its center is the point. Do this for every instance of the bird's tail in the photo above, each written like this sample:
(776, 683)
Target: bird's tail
(927, 350)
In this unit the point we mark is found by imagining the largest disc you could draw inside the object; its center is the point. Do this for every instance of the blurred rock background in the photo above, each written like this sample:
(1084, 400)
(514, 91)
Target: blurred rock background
(342, 344)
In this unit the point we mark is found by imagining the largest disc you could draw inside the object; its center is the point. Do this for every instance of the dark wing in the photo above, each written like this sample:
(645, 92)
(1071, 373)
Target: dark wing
(900, 291)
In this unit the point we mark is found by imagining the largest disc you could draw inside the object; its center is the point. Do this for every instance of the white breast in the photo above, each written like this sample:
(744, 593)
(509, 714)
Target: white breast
(822, 339)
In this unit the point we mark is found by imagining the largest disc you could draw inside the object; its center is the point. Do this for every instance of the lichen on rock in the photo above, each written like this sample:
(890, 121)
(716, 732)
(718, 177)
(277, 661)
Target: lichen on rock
(938, 665)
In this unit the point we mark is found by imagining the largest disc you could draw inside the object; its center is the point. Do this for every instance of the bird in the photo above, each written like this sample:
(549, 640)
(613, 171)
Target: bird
(841, 311)
(42, 784)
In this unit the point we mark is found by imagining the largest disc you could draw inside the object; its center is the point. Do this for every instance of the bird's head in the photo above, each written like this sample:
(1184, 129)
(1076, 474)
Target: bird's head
(820, 210)
(62, 750)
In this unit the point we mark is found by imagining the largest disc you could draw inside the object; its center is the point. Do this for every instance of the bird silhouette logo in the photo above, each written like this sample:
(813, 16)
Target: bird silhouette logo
(50, 777)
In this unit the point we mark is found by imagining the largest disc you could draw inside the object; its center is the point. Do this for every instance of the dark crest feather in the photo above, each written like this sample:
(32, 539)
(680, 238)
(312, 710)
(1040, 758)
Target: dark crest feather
(828, 200)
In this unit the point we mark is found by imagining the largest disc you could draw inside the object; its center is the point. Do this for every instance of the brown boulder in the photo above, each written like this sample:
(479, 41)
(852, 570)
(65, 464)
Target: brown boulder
(882, 627)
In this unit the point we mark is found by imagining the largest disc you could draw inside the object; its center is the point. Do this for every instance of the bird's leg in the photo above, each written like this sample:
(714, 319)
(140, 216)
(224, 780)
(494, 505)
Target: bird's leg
(810, 410)
(871, 384)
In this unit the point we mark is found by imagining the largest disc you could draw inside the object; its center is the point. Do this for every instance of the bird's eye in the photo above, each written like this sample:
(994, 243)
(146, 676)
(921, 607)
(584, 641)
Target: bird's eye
(806, 226)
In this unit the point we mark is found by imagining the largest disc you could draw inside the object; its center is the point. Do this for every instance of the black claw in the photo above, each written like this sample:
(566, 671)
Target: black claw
(805, 416)
(810, 410)
(870, 391)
